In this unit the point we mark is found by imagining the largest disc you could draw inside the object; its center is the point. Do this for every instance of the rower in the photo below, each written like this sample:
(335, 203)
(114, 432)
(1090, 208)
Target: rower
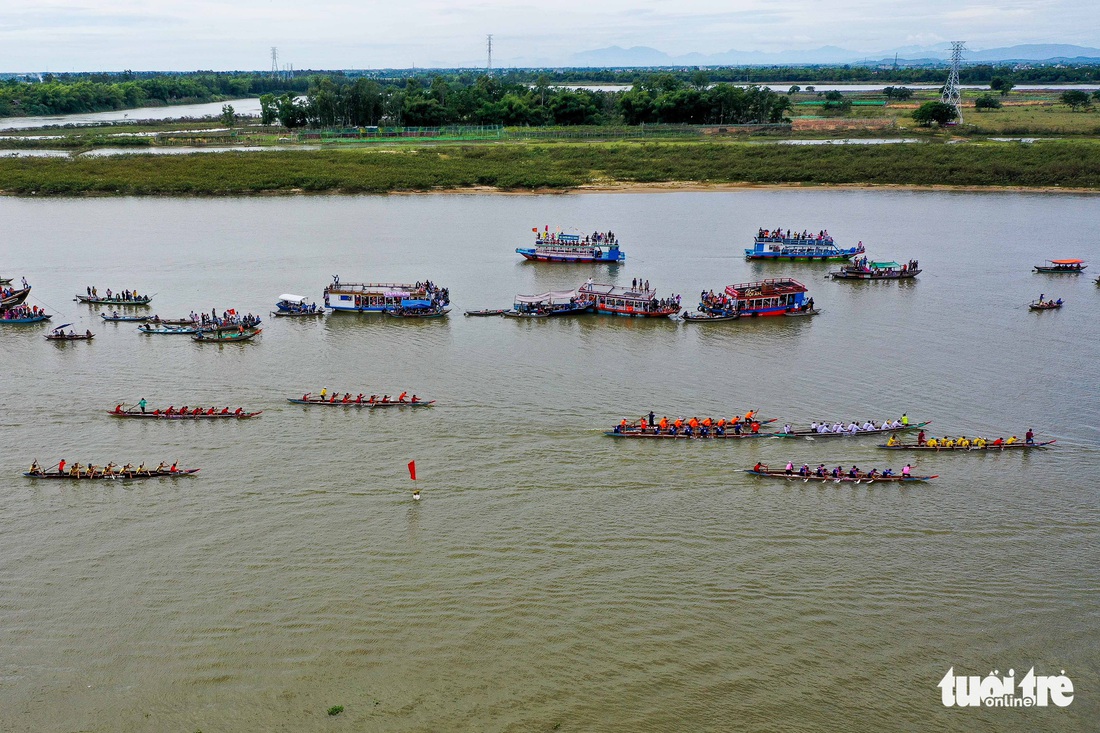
(118, 409)
(173, 469)
(225, 410)
(238, 411)
(36, 469)
(904, 419)
(305, 397)
(210, 411)
(1012, 440)
(324, 391)
(920, 438)
(401, 397)
(359, 399)
(932, 443)
(161, 467)
(758, 468)
(893, 440)
(999, 442)
(790, 468)
(141, 470)
(415, 399)
(854, 472)
(622, 425)
(906, 471)
(1029, 437)
(755, 427)
(787, 429)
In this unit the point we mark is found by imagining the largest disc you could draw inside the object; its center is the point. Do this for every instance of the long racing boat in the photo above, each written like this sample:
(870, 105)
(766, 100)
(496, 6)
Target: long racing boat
(845, 433)
(987, 448)
(861, 477)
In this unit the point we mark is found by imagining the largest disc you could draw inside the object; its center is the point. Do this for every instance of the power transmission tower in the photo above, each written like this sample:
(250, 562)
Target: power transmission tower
(489, 59)
(274, 62)
(951, 94)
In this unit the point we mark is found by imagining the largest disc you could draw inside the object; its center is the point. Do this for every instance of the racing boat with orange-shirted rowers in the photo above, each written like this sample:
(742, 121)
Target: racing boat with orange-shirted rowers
(694, 428)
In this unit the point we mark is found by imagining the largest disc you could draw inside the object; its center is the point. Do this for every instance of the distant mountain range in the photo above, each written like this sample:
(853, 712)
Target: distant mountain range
(615, 56)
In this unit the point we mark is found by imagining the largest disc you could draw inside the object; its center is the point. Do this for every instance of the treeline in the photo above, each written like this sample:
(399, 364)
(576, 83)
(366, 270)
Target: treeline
(490, 100)
(75, 93)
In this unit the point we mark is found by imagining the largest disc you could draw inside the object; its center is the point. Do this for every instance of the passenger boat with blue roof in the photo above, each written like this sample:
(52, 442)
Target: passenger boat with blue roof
(382, 297)
(804, 246)
(635, 301)
(558, 247)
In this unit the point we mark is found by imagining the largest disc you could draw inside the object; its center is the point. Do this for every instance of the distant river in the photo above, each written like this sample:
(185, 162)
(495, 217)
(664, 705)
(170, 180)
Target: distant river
(249, 107)
(551, 578)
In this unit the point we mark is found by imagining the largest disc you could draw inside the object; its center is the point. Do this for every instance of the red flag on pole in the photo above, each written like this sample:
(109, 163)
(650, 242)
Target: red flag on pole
(412, 470)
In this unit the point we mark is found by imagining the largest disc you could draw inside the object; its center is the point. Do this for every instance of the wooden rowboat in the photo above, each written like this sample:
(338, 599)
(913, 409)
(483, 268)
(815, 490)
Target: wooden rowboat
(491, 312)
(339, 403)
(858, 434)
(124, 319)
(807, 312)
(70, 337)
(90, 300)
(211, 337)
(29, 319)
(1048, 306)
(298, 314)
(160, 415)
(839, 479)
(968, 448)
(418, 312)
(16, 298)
(112, 476)
(173, 321)
(708, 317)
(168, 330)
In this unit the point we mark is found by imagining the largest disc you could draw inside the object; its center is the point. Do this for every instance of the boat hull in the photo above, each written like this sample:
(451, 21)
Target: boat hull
(15, 321)
(844, 275)
(16, 298)
(534, 255)
(681, 436)
(114, 302)
(213, 337)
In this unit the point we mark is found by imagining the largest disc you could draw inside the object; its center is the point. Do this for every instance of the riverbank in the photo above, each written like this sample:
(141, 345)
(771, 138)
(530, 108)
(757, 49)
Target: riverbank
(1050, 164)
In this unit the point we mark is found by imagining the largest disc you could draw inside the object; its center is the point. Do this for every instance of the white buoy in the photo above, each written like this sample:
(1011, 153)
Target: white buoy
(416, 495)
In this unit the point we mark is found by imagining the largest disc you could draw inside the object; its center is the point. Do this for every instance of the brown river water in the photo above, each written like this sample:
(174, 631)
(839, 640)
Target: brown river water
(551, 578)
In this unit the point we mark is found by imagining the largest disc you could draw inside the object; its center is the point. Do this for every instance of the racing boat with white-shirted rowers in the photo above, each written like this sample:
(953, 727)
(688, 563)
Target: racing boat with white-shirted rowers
(846, 432)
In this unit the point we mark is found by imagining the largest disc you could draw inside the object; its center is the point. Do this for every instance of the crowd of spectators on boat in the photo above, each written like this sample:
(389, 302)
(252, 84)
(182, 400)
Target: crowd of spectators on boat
(21, 312)
(227, 318)
(862, 264)
(439, 296)
(125, 296)
(607, 238)
(803, 237)
(7, 292)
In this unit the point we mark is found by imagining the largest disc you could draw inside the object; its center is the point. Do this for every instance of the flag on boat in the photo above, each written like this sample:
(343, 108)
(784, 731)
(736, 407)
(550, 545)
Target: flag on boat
(412, 470)
(534, 229)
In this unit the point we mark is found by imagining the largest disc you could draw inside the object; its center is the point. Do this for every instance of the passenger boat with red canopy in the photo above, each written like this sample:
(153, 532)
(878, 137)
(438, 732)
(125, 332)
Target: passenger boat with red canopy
(772, 297)
(1070, 267)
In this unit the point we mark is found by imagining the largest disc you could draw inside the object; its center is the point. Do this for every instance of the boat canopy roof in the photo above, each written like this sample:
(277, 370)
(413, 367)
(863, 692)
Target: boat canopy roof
(615, 291)
(885, 265)
(389, 289)
(765, 288)
(1067, 262)
(554, 296)
(292, 298)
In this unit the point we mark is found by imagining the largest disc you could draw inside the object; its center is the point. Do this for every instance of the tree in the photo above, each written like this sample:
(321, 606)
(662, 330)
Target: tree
(700, 79)
(810, 89)
(1001, 84)
(794, 90)
(834, 96)
(269, 109)
(899, 93)
(229, 115)
(1075, 99)
(987, 101)
(1096, 95)
(937, 112)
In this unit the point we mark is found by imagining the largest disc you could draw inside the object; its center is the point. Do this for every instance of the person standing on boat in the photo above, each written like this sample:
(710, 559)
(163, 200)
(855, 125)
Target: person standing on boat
(142, 403)
(1029, 437)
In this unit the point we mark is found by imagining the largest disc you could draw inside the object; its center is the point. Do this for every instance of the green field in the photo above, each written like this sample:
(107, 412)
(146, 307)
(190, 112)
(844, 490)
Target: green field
(518, 167)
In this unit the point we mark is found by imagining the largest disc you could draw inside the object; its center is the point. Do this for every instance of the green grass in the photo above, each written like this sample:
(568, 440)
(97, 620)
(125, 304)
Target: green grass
(1069, 163)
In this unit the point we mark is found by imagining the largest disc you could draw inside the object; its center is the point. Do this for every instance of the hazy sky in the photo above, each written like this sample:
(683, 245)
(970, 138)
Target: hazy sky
(87, 35)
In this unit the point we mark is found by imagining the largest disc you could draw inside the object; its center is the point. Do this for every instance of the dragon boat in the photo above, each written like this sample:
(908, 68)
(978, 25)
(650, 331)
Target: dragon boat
(845, 478)
(162, 415)
(113, 476)
(846, 434)
(328, 402)
(987, 448)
